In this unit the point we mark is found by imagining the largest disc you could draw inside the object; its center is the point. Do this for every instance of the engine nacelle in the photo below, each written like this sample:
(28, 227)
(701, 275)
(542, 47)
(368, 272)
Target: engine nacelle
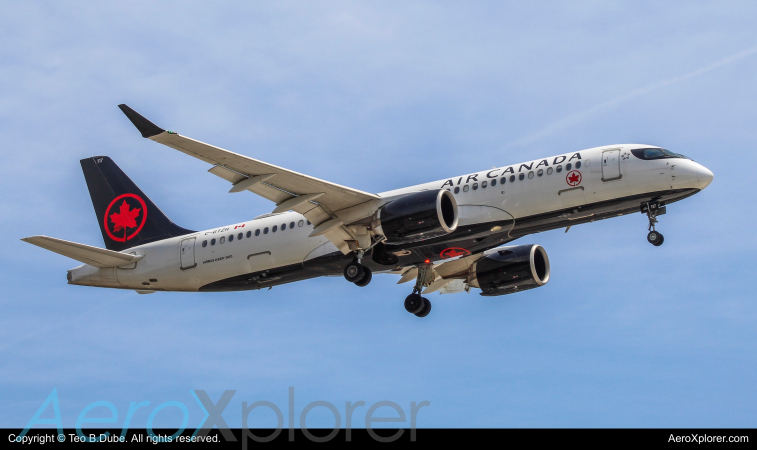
(417, 217)
(506, 270)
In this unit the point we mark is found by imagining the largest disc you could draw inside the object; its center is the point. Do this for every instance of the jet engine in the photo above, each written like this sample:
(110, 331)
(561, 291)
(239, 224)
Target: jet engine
(417, 217)
(506, 270)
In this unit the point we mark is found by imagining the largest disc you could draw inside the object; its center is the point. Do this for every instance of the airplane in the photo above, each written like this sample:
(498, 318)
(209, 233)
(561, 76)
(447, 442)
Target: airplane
(448, 236)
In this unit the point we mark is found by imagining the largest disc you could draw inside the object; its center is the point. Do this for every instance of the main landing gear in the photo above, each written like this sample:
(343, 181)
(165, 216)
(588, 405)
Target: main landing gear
(414, 303)
(356, 272)
(653, 209)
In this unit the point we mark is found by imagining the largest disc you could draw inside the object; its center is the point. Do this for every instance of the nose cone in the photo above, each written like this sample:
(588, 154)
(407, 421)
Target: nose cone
(704, 176)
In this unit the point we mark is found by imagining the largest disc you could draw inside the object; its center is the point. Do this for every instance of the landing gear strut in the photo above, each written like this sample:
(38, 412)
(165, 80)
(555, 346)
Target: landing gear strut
(653, 209)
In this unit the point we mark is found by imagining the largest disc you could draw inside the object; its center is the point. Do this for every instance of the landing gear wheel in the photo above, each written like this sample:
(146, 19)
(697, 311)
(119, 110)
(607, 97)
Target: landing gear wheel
(652, 210)
(367, 275)
(354, 271)
(414, 303)
(426, 308)
(655, 238)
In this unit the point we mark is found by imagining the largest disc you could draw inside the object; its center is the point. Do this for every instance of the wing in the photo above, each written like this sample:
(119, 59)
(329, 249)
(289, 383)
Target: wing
(94, 256)
(318, 200)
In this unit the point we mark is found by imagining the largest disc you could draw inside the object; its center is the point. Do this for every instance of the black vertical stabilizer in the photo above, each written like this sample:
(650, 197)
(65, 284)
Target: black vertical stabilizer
(127, 217)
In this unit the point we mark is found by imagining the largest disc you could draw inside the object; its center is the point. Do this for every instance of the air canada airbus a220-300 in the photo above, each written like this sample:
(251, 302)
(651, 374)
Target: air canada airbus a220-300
(447, 236)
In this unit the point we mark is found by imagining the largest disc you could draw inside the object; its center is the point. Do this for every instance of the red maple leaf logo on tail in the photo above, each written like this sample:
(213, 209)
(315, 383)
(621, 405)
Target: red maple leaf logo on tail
(124, 218)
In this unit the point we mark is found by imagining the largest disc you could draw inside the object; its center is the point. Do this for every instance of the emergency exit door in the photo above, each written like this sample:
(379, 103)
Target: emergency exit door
(188, 254)
(611, 165)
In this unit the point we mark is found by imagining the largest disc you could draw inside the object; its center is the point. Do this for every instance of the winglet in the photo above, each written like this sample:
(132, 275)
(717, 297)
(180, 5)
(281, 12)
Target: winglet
(147, 128)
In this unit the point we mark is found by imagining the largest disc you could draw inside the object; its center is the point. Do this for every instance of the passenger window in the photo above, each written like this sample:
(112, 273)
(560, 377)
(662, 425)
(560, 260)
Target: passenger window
(503, 179)
(213, 241)
(249, 233)
(475, 186)
(483, 184)
(275, 227)
(522, 176)
(457, 190)
(540, 172)
(568, 166)
(300, 223)
(222, 240)
(465, 188)
(204, 243)
(549, 171)
(494, 183)
(578, 164)
(283, 226)
(530, 175)
(512, 178)
(240, 236)
(291, 224)
(231, 237)
(257, 232)
(559, 169)
(265, 230)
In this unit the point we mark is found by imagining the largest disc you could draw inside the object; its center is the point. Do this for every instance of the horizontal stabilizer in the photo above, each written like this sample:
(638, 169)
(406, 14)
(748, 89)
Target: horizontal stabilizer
(94, 256)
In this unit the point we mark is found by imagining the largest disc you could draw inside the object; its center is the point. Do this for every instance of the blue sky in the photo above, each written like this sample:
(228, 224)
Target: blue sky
(377, 96)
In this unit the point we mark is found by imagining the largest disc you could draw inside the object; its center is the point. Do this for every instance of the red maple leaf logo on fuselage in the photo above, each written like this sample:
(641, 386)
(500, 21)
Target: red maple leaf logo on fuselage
(453, 252)
(573, 178)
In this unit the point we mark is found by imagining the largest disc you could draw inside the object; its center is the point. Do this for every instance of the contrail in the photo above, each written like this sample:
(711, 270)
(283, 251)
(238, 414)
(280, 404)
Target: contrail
(578, 117)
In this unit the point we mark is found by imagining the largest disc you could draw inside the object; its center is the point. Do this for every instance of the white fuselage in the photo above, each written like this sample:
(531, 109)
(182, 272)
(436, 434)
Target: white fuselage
(606, 173)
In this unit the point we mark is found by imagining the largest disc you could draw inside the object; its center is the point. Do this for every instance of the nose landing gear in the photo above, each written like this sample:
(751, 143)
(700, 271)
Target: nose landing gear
(655, 238)
(653, 209)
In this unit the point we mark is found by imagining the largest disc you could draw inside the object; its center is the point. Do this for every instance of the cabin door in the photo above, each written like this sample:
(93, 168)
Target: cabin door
(611, 165)
(188, 254)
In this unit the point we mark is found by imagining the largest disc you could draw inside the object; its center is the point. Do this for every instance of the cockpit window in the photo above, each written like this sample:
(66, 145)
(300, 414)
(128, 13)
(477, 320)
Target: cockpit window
(655, 153)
